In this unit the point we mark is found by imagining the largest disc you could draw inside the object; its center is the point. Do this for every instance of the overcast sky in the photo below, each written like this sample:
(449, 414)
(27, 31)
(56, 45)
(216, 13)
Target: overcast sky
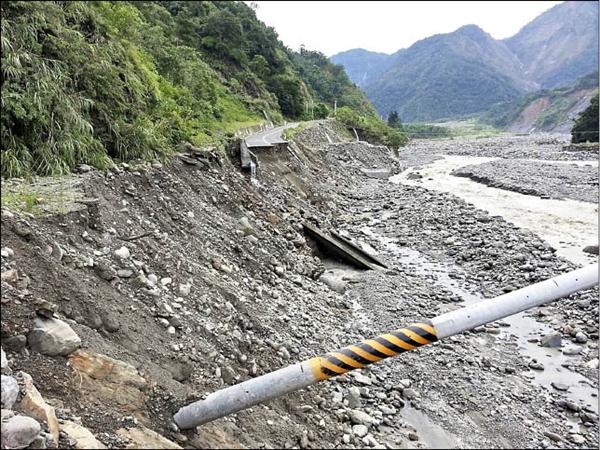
(332, 27)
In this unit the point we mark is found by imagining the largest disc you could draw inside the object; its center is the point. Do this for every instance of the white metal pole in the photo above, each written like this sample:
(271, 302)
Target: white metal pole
(516, 301)
(301, 375)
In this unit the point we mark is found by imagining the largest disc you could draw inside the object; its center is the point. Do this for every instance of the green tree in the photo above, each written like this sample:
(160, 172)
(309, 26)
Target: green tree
(586, 125)
(321, 111)
(289, 94)
(393, 120)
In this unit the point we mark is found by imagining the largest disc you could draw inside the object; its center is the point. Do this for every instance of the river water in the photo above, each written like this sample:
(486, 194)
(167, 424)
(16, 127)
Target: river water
(567, 225)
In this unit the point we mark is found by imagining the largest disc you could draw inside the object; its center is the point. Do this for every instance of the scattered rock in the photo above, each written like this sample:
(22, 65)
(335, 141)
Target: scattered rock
(184, 289)
(10, 276)
(45, 308)
(559, 386)
(553, 436)
(10, 391)
(123, 253)
(228, 375)
(246, 227)
(576, 439)
(181, 371)
(581, 337)
(32, 403)
(82, 168)
(362, 379)
(360, 430)
(84, 439)
(593, 363)
(143, 438)
(572, 350)
(19, 432)
(535, 365)
(15, 343)
(110, 323)
(553, 340)
(3, 360)
(104, 270)
(353, 397)
(591, 249)
(359, 417)
(410, 394)
(124, 273)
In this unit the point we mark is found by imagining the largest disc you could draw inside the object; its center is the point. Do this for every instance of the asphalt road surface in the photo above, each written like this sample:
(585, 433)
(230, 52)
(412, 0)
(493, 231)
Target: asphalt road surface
(268, 137)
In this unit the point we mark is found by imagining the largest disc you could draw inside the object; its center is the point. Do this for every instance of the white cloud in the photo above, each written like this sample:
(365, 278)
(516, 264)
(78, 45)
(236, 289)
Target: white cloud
(331, 26)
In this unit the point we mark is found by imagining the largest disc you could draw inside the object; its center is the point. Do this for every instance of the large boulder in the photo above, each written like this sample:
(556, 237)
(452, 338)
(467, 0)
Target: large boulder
(10, 392)
(34, 405)
(53, 337)
(144, 438)
(102, 379)
(19, 432)
(3, 360)
(82, 437)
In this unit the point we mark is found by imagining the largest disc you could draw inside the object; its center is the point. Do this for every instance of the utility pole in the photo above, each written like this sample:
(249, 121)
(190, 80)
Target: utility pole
(334, 106)
(311, 371)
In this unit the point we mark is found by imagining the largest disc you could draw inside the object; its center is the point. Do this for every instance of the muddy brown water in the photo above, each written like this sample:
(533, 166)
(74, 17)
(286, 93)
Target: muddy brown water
(568, 225)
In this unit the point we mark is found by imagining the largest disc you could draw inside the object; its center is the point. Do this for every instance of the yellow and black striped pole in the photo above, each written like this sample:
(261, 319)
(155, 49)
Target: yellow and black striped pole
(300, 375)
(373, 350)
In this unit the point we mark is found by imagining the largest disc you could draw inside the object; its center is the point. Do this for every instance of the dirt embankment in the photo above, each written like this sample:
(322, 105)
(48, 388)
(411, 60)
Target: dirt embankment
(185, 278)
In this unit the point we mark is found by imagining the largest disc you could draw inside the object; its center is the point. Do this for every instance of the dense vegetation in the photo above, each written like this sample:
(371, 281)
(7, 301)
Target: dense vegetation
(426, 131)
(371, 128)
(91, 82)
(560, 101)
(586, 125)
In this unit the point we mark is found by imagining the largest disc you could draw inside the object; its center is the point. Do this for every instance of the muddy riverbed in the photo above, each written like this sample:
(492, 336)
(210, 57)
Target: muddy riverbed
(426, 230)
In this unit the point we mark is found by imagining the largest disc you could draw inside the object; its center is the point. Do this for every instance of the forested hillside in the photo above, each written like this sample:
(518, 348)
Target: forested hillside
(443, 76)
(88, 82)
(544, 110)
(362, 66)
(586, 125)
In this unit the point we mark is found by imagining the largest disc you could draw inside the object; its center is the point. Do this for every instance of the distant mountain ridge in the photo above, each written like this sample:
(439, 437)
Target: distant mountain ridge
(361, 65)
(560, 45)
(467, 71)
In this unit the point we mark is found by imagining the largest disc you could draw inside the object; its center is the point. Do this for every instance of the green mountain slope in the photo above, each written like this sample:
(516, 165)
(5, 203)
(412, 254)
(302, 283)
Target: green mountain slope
(444, 76)
(465, 72)
(362, 66)
(89, 82)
